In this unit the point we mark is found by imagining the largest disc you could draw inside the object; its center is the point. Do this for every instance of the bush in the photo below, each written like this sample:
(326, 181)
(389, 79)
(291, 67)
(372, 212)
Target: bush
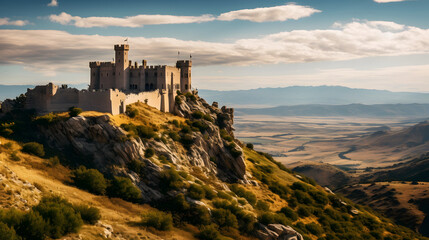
(174, 135)
(198, 215)
(195, 191)
(314, 229)
(73, 111)
(170, 179)
(34, 148)
(122, 187)
(145, 132)
(224, 218)
(149, 152)
(242, 192)
(225, 135)
(209, 233)
(60, 216)
(262, 205)
(7, 233)
(53, 161)
(32, 226)
(304, 211)
(131, 112)
(137, 167)
(249, 146)
(289, 213)
(272, 218)
(90, 215)
(208, 192)
(158, 220)
(224, 195)
(90, 179)
(197, 114)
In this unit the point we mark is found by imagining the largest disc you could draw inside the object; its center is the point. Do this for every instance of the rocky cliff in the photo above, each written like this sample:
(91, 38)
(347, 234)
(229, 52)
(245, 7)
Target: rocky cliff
(109, 148)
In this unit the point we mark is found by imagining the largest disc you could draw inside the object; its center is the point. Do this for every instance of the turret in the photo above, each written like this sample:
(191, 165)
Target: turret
(121, 66)
(185, 75)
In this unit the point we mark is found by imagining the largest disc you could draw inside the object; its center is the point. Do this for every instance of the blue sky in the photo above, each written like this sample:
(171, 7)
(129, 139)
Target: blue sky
(235, 44)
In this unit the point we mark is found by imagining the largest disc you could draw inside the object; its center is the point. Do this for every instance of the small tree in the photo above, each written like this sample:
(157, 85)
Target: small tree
(90, 179)
(7, 233)
(90, 215)
(34, 148)
(158, 220)
(74, 111)
(123, 188)
(249, 146)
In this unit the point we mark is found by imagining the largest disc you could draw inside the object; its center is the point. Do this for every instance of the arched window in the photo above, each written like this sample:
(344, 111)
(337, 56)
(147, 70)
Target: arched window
(147, 86)
(186, 86)
(151, 86)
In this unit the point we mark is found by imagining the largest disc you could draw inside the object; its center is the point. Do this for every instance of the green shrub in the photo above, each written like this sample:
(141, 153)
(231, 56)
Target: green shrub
(273, 218)
(200, 125)
(314, 229)
(60, 216)
(262, 205)
(73, 111)
(178, 100)
(174, 135)
(90, 215)
(209, 232)
(198, 215)
(47, 119)
(319, 197)
(225, 135)
(242, 192)
(137, 167)
(224, 195)
(187, 140)
(149, 152)
(197, 114)
(249, 146)
(304, 211)
(190, 96)
(158, 220)
(122, 187)
(7, 233)
(34, 148)
(207, 117)
(195, 191)
(224, 218)
(32, 226)
(289, 213)
(131, 112)
(303, 197)
(90, 179)
(145, 132)
(170, 179)
(208, 192)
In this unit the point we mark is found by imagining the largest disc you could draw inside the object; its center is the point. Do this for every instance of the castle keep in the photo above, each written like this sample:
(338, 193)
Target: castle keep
(114, 85)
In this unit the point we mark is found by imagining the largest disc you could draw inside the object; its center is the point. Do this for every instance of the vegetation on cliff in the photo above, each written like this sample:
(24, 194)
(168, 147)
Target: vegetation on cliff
(196, 177)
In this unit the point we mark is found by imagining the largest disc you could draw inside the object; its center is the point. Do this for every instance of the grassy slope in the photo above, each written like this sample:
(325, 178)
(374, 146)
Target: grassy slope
(122, 215)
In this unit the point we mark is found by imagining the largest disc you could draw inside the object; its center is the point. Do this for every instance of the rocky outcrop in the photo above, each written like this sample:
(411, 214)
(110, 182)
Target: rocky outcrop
(108, 148)
(277, 232)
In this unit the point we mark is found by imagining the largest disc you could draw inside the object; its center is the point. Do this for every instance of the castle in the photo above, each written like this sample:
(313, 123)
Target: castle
(114, 85)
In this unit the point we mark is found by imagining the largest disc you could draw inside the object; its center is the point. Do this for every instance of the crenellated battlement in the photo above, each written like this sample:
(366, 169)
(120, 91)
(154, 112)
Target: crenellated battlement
(94, 64)
(184, 63)
(122, 47)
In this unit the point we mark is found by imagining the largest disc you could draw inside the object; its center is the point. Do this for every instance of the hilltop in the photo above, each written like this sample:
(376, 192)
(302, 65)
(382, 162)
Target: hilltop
(180, 176)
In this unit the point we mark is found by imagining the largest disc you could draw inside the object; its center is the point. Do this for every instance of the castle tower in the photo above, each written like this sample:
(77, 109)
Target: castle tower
(185, 75)
(122, 66)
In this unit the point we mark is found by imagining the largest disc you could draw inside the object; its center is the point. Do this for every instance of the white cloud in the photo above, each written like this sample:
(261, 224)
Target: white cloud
(6, 21)
(269, 14)
(52, 50)
(53, 3)
(132, 21)
(388, 1)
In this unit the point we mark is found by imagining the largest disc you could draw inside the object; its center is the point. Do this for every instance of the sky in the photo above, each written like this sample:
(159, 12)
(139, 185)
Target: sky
(235, 44)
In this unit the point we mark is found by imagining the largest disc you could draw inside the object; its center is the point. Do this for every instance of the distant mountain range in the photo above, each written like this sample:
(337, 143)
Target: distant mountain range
(12, 91)
(351, 110)
(300, 95)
